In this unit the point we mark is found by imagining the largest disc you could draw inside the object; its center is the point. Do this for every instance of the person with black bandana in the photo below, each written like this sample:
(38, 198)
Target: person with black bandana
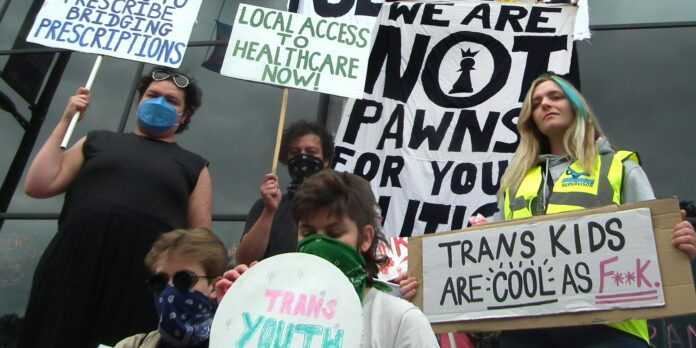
(270, 230)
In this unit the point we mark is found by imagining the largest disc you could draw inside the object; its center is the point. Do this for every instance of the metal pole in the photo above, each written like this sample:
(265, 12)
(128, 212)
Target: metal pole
(26, 145)
(126, 109)
(3, 10)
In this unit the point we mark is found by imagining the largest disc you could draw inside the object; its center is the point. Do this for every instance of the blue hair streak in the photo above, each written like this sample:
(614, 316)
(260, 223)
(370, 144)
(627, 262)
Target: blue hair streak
(572, 96)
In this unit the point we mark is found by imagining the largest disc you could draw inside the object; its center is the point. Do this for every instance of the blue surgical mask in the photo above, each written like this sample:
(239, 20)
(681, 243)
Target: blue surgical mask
(156, 116)
(185, 317)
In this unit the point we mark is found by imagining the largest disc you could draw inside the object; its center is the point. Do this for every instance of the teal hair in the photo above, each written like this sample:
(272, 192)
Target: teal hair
(572, 95)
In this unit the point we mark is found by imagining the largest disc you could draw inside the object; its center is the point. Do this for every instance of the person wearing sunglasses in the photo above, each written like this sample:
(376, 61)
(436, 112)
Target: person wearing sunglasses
(185, 265)
(122, 190)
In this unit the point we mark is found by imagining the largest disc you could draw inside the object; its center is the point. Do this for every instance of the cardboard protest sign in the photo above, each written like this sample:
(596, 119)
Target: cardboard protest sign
(586, 263)
(155, 32)
(436, 127)
(299, 51)
(540, 266)
(289, 300)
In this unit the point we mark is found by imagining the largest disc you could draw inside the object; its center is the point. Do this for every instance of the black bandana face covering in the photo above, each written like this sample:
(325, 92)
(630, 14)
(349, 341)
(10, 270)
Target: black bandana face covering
(301, 167)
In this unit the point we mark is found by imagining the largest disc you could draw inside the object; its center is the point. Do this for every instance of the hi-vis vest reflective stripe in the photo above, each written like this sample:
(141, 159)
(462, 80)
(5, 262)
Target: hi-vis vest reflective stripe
(577, 189)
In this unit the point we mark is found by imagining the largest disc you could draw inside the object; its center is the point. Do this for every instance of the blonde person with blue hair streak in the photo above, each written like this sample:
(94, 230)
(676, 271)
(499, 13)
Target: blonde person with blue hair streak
(561, 140)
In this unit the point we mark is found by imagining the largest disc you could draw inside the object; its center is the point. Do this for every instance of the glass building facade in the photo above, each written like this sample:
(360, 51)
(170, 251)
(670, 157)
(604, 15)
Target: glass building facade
(637, 71)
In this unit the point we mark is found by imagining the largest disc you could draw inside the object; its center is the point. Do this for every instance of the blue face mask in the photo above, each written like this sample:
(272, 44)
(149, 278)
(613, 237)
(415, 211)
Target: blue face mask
(156, 116)
(184, 317)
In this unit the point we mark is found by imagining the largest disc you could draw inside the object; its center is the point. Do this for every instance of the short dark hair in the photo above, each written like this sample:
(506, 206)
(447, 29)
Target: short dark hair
(196, 244)
(342, 193)
(301, 128)
(689, 207)
(192, 93)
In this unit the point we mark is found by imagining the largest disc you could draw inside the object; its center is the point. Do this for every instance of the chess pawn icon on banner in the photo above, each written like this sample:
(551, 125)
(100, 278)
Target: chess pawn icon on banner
(463, 83)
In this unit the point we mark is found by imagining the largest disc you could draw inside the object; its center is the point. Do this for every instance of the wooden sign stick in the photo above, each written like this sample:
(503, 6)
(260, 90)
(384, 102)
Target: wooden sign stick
(279, 135)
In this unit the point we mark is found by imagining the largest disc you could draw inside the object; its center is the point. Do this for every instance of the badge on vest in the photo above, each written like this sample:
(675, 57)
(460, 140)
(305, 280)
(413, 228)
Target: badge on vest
(574, 178)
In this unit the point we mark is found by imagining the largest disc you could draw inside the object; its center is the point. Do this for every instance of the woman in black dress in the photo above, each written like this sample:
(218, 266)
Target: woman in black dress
(121, 192)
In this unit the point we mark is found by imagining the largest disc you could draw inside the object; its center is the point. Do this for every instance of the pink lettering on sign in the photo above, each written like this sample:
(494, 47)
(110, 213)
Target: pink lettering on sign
(627, 297)
(273, 294)
(603, 272)
(301, 305)
(633, 281)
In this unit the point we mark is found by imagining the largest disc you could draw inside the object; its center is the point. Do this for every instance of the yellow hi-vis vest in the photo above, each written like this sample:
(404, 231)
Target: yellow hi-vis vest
(577, 189)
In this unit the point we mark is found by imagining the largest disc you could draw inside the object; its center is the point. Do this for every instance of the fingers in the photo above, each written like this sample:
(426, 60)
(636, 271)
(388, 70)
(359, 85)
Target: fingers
(78, 103)
(270, 191)
(408, 288)
(401, 277)
(221, 287)
(236, 272)
(270, 177)
(225, 283)
(269, 186)
(83, 91)
(683, 213)
(270, 183)
(684, 238)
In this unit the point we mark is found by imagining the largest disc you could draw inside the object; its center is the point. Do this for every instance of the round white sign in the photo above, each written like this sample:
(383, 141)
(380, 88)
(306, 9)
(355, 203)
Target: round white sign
(289, 300)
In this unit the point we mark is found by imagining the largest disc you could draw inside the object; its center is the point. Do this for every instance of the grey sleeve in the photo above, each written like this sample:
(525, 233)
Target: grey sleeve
(499, 215)
(636, 186)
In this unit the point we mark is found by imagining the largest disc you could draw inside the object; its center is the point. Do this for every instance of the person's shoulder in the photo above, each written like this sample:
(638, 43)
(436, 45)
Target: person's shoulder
(101, 134)
(630, 165)
(148, 340)
(100, 140)
(391, 303)
(402, 320)
(192, 155)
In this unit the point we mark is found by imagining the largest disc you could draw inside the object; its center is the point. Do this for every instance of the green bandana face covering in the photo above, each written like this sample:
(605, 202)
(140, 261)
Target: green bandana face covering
(341, 255)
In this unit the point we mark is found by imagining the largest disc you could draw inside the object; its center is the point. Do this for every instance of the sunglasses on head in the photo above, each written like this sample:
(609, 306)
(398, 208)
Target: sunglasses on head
(180, 80)
(183, 281)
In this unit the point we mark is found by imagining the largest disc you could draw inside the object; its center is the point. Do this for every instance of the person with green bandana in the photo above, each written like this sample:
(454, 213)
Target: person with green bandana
(336, 221)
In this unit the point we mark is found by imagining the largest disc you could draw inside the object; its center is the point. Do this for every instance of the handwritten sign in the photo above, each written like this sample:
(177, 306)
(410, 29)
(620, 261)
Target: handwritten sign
(312, 53)
(143, 31)
(588, 263)
(397, 252)
(289, 300)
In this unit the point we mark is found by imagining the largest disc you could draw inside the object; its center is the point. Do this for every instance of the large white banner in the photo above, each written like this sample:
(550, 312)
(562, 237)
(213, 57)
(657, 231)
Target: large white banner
(365, 11)
(154, 31)
(436, 126)
(591, 263)
(287, 49)
(355, 11)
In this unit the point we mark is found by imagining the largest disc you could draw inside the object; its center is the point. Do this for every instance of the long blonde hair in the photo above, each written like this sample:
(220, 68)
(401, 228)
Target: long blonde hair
(578, 140)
